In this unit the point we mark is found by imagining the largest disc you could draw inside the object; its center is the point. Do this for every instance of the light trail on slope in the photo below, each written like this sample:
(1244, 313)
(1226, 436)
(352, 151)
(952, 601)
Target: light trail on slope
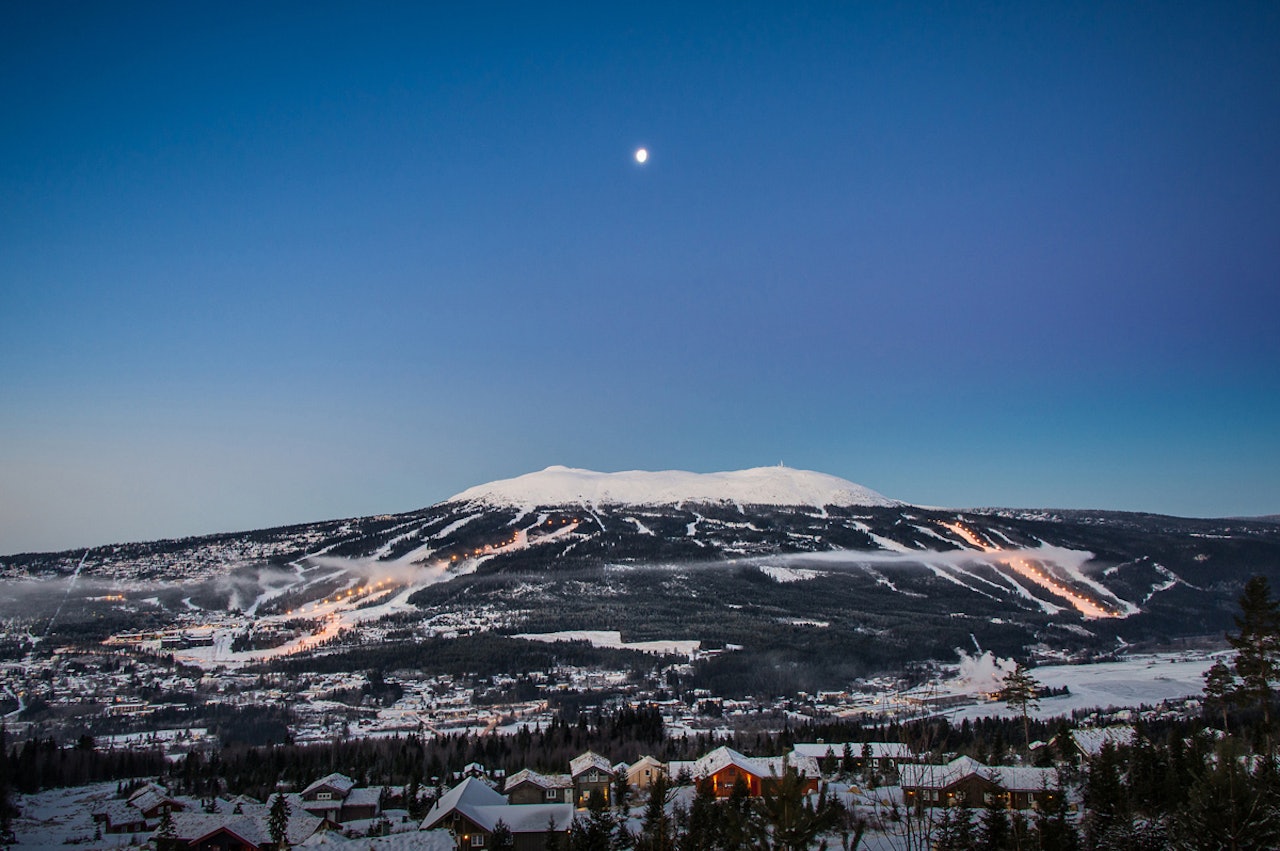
(1086, 606)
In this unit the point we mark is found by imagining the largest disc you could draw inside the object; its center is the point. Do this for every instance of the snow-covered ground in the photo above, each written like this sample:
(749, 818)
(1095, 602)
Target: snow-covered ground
(62, 817)
(613, 638)
(1129, 683)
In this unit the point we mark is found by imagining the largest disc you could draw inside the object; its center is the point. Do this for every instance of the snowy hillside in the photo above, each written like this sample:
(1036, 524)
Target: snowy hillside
(758, 486)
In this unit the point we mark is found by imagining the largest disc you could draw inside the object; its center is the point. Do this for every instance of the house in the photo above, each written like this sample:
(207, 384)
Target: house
(1089, 741)
(644, 771)
(591, 773)
(472, 811)
(154, 801)
(120, 817)
(140, 812)
(968, 783)
(724, 767)
(530, 787)
(885, 757)
(337, 798)
(245, 831)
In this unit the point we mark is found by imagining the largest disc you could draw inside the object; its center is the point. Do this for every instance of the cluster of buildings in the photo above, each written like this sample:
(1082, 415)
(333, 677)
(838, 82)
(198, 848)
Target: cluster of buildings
(532, 805)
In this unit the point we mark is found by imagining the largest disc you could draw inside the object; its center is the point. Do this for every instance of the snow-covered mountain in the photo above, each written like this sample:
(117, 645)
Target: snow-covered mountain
(776, 486)
(787, 564)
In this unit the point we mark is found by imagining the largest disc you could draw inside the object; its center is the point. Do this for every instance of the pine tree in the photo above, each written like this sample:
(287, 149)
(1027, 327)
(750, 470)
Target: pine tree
(993, 829)
(278, 822)
(656, 830)
(1053, 829)
(552, 840)
(502, 839)
(1020, 692)
(1220, 690)
(791, 821)
(1257, 648)
(703, 830)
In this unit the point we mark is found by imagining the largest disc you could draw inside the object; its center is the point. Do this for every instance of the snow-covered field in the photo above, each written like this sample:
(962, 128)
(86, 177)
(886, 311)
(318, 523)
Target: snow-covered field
(613, 638)
(1129, 683)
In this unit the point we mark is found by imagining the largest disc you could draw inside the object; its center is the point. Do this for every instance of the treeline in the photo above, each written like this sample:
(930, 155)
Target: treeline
(483, 654)
(37, 764)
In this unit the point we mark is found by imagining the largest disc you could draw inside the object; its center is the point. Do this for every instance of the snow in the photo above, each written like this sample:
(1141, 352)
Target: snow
(1129, 683)
(759, 486)
(613, 638)
(788, 574)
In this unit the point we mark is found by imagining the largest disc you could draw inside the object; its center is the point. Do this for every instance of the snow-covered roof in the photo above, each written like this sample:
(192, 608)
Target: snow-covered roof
(1090, 740)
(485, 808)
(544, 781)
(148, 789)
(646, 762)
(468, 794)
(521, 818)
(363, 796)
(724, 756)
(1015, 778)
(588, 761)
(250, 826)
(340, 783)
(759, 486)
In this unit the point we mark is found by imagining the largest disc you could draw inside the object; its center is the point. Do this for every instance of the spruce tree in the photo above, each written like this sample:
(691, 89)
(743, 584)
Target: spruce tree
(278, 822)
(1257, 646)
(502, 839)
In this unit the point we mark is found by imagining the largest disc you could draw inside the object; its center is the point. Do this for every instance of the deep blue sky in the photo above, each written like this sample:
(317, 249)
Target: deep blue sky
(266, 265)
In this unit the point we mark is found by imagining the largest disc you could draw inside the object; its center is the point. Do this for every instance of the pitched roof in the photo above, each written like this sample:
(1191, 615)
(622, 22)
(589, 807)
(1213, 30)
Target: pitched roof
(522, 818)
(1090, 740)
(363, 796)
(468, 794)
(587, 761)
(1014, 778)
(724, 756)
(340, 783)
(250, 826)
(543, 781)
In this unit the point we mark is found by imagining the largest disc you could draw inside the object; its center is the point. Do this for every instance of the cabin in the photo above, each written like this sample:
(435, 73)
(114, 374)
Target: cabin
(724, 767)
(590, 773)
(1088, 742)
(530, 787)
(337, 798)
(244, 831)
(965, 782)
(471, 811)
(642, 772)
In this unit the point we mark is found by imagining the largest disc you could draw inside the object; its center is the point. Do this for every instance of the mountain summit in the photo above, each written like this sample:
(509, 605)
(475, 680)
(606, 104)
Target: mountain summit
(781, 486)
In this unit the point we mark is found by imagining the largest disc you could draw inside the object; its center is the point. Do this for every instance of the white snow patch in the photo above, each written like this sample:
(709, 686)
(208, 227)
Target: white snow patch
(759, 486)
(613, 638)
(788, 574)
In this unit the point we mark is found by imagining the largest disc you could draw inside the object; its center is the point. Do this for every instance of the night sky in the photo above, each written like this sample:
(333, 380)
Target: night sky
(271, 263)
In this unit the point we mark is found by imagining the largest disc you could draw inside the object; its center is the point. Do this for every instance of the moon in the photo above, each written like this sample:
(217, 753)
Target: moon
(642, 154)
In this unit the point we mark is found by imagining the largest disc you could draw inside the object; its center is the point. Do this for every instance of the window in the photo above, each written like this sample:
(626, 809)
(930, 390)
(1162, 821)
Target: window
(553, 794)
(324, 796)
(477, 841)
